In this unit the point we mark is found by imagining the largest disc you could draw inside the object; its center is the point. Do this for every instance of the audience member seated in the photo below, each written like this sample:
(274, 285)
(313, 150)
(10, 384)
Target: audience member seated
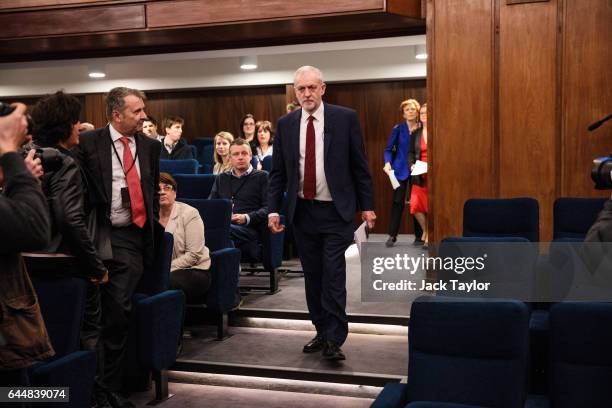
(223, 141)
(149, 128)
(247, 188)
(263, 142)
(56, 119)
(175, 148)
(247, 129)
(190, 256)
(292, 106)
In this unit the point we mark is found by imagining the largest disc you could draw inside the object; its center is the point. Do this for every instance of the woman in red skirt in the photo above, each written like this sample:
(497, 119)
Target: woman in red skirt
(418, 197)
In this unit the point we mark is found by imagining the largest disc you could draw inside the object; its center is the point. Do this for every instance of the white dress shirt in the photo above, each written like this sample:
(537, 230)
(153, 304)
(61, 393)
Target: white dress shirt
(322, 190)
(120, 217)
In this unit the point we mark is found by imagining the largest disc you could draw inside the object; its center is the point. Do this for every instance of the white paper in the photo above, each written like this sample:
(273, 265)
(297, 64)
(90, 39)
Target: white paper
(420, 167)
(394, 183)
(361, 235)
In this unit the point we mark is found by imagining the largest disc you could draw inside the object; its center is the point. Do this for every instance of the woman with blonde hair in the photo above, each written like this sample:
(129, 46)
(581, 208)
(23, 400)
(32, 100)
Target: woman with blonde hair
(418, 196)
(396, 160)
(223, 141)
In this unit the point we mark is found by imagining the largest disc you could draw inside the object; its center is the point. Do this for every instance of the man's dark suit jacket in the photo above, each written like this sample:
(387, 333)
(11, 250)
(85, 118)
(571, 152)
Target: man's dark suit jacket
(95, 154)
(346, 166)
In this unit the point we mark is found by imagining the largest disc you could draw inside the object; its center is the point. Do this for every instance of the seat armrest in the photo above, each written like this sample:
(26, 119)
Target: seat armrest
(224, 270)
(393, 395)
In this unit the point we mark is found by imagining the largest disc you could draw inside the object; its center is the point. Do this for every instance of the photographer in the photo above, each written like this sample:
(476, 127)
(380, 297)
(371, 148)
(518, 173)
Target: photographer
(24, 226)
(56, 119)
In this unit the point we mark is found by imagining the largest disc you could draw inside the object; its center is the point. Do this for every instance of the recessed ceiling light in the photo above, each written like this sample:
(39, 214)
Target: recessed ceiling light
(249, 62)
(97, 74)
(420, 52)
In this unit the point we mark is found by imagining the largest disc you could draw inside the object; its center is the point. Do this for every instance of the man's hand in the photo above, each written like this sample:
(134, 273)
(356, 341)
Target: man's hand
(275, 225)
(34, 165)
(370, 218)
(13, 129)
(102, 280)
(239, 219)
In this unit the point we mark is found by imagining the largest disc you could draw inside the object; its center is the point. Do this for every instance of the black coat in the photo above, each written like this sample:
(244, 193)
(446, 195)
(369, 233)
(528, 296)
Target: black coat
(249, 194)
(64, 190)
(181, 151)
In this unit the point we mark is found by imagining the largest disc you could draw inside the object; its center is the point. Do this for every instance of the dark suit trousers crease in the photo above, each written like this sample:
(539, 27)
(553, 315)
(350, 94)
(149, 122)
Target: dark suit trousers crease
(125, 271)
(322, 237)
(397, 209)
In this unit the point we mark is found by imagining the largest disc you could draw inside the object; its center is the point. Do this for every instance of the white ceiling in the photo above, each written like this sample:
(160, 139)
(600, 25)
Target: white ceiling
(375, 59)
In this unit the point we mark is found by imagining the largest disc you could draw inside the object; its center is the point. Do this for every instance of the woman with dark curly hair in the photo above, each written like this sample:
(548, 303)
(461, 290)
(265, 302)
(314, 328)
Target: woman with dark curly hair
(56, 119)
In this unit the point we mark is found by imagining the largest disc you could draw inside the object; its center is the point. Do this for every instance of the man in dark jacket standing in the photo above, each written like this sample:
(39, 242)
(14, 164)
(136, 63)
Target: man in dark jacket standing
(24, 227)
(122, 165)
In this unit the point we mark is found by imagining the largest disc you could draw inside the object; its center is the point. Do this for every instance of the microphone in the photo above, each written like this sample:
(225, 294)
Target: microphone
(597, 124)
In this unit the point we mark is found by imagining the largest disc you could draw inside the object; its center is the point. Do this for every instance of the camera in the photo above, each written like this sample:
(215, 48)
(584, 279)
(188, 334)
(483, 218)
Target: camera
(601, 173)
(6, 109)
(51, 159)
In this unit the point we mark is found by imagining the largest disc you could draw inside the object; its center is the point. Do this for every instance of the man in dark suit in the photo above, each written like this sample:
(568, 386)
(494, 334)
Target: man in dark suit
(123, 167)
(319, 160)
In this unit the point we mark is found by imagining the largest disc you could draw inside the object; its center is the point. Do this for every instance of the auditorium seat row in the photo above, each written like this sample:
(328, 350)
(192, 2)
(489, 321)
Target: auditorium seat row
(475, 353)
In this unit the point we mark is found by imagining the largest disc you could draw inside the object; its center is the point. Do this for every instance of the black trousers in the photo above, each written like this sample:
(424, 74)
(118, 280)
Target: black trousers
(193, 282)
(130, 248)
(322, 237)
(246, 239)
(397, 209)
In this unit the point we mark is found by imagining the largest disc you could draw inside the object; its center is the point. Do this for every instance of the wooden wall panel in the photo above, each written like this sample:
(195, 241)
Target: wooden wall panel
(527, 102)
(56, 22)
(174, 13)
(377, 104)
(460, 88)
(587, 92)
(207, 112)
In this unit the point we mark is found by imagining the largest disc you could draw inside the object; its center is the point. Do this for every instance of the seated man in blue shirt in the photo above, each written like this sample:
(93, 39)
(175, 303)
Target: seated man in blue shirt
(248, 190)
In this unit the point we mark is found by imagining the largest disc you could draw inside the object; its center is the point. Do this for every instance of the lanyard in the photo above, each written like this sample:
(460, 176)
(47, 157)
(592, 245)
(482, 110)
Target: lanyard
(125, 172)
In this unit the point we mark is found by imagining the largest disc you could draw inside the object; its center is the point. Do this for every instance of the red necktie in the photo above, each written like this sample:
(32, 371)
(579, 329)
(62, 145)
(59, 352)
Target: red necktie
(310, 163)
(139, 215)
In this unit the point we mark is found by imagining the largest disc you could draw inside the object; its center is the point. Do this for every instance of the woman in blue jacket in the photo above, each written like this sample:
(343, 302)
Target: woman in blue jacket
(396, 159)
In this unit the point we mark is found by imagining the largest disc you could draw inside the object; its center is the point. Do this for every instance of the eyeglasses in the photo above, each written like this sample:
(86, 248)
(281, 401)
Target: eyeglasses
(166, 187)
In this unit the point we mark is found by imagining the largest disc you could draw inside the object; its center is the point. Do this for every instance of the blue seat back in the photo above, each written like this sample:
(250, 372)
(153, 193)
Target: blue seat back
(206, 158)
(157, 279)
(468, 351)
(200, 142)
(266, 164)
(194, 185)
(581, 354)
(62, 302)
(502, 217)
(217, 216)
(572, 217)
(186, 166)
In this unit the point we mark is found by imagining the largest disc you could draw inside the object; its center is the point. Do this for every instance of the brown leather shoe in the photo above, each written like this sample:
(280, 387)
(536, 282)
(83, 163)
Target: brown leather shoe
(314, 345)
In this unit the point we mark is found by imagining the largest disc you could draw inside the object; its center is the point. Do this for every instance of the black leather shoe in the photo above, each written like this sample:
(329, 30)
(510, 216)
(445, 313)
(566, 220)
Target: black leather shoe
(390, 241)
(418, 242)
(332, 352)
(117, 401)
(314, 345)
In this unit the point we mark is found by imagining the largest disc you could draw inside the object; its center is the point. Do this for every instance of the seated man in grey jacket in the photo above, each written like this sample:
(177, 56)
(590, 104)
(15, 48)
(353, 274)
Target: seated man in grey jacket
(248, 190)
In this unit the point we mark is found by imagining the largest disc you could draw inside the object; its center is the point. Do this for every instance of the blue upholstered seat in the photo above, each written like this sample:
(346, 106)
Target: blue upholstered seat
(194, 185)
(222, 296)
(62, 302)
(501, 217)
(155, 324)
(187, 166)
(581, 354)
(572, 217)
(472, 353)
